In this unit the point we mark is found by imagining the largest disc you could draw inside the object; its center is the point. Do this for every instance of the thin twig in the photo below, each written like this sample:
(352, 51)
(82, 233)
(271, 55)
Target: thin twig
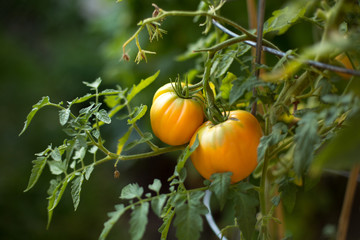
(347, 204)
(290, 57)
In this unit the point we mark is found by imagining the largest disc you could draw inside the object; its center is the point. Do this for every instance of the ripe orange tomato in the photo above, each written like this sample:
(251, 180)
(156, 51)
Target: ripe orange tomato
(174, 119)
(230, 146)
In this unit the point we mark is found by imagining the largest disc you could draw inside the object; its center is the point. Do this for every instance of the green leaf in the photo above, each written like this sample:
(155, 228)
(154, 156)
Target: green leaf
(220, 186)
(131, 191)
(185, 155)
(241, 86)
(103, 116)
(164, 228)
(288, 194)
(138, 221)
(94, 85)
(56, 167)
(306, 140)
(76, 190)
(157, 204)
(64, 115)
(222, 63)
(139, 112)
(112, 101)
(114, 217)
(203, 42)
(88, 170)
(245, 203)
(83, 98)
(56, 154)
(226, 85)
(342, 151)
(155, 186)
(123, 140)
(147, 137)
(45, 101)
(143, 84)
(278, 133)
(36, 171)
(55, 196)
(188, 220)
(284, 18)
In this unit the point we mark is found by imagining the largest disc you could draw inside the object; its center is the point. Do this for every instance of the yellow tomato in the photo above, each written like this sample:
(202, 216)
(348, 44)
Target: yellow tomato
(230, 146)
(174, 119)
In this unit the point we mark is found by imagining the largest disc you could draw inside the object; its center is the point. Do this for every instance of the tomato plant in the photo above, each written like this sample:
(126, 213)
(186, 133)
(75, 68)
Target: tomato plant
(257, 170)
(174, 119)
(230, 146)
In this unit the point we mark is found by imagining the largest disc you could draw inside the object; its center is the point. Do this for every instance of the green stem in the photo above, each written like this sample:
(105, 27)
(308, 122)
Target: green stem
(163, 14)
(141, 134)
(215, 113)
(224, 44)
(262, 189)
(113, 156)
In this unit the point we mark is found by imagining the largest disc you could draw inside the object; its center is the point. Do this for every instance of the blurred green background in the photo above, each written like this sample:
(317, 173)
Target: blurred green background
(48, 48)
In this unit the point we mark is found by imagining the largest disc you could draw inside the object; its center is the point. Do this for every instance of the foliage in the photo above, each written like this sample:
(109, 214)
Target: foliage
(298, 142)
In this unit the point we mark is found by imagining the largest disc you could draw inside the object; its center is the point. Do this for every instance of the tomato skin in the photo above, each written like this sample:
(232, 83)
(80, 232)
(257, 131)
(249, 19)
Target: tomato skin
(230, 146)
(174, 119)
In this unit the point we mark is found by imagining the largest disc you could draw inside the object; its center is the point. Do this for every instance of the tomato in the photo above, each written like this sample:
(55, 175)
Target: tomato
(230, 146)
(174, 119)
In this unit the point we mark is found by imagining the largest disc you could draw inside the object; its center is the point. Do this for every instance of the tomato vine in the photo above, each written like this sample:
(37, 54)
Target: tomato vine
(284, 155)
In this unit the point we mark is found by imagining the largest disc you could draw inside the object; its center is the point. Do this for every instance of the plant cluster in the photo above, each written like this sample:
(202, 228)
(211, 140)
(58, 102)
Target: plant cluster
(299, 104)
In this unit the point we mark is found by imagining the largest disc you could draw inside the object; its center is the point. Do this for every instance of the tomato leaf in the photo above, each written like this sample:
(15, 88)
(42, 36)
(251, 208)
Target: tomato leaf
(245, 202)
(155, 186)
(123, 140)
(164, 228)
(288, 194)
(56, 194)
(147, 137)
(143, 84)
(188, 220)
(284, 18)
(185, 155)
(56, 167)
(220, 186)
(242, 86)
(103, 116)
(200, 43)
(36, 171)
(306, 140)
(157, 204)
(64, 115)
(138, 113)
(278, 133)
(88, 170)
(222, 63)
(45, 101)
(113, 218)
(226, 85)
(138, 221)
(76, 190)
(56, 154)
(131, 191)
(341, 152)
(94, 85)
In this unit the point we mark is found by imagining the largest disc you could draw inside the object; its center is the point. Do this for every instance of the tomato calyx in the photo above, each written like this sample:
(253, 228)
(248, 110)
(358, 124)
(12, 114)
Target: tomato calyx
(185, 90)
(217, 115)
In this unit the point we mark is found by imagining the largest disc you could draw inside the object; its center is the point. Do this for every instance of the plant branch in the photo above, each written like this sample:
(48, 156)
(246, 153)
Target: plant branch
(347, 205)
(279, 53)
